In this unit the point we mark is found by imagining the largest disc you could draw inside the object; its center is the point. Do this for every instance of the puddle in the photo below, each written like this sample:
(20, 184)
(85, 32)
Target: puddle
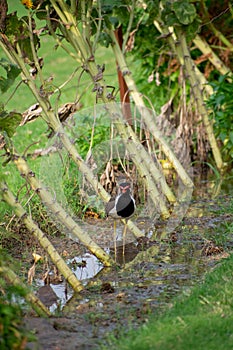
(85, 267)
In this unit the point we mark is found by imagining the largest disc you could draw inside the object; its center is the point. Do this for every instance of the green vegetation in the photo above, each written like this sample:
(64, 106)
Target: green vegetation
(221, 106)
(199, 319)
(13, 334)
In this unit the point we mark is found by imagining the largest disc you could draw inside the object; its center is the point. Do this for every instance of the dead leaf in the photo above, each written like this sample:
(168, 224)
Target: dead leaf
(37, 257)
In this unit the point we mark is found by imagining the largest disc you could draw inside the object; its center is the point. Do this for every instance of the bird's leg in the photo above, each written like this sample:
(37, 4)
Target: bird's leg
(124, 235)
(114, 238)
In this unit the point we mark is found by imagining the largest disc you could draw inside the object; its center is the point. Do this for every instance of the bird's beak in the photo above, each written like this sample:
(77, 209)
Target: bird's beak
(124, 189)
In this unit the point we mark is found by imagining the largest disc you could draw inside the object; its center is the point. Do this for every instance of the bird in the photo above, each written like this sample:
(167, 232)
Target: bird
(121, 207)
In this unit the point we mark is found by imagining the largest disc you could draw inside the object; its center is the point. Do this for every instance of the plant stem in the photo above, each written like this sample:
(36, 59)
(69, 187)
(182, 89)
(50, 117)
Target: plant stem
(53, 121)
(190, 71)
(172, 39)
(211, 26)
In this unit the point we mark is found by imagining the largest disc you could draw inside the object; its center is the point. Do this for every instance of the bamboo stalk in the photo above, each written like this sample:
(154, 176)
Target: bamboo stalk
(156, 174)
(73, 34)
(92, 178)
(204, 47)
(142, 155)
(172, 39)
(134, 149)
(147, 117)
(54, 122)
(35, 302)
(40, 236)
(59, 213)
(180, 47)
(190, 71)
(91, 68)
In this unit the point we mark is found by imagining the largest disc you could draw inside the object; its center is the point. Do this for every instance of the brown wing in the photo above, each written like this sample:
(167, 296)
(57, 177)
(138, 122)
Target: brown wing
(109, 205)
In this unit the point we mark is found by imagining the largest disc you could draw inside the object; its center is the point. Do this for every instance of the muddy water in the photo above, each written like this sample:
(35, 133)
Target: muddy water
(151, 274)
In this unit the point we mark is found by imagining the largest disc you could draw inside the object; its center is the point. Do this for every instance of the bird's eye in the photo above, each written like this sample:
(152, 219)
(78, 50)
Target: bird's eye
(124, 187)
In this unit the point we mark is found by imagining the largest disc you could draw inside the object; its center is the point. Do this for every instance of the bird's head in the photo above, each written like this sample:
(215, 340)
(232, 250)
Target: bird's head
(124, 187)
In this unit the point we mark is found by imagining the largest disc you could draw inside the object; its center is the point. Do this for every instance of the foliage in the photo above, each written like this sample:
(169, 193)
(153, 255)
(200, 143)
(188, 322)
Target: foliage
(180, 13)
(100, 135)
(13, 335)
(149, 63)
(20, 30)
(221, 111)
(9, 121)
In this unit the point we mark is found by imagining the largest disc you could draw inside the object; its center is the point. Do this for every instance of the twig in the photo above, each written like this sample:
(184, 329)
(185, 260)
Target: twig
(131, 17)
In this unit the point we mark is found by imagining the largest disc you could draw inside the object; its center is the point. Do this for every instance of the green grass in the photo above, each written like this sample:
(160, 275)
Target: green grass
(201, 320)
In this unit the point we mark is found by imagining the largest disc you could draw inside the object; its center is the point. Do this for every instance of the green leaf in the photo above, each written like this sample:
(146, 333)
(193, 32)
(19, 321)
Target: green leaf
(108, 5)
(153, 8)
(168, 17)
(12, 71)
(9, 122)
(185, 12)
(114, 21)
(231, 137)
(192, 30)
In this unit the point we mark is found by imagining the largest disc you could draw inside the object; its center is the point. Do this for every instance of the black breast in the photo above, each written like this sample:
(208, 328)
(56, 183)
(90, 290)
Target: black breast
(125, 206)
